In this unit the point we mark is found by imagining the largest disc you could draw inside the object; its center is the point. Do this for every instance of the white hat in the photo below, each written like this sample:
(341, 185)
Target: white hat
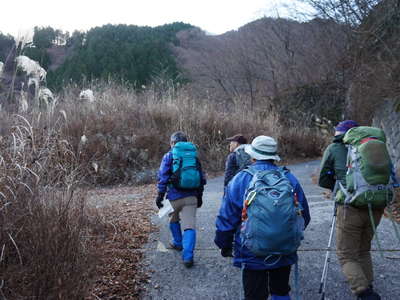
(263, 148)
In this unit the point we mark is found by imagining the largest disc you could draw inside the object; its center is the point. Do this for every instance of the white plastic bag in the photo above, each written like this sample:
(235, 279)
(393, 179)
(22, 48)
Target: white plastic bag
(166, 209)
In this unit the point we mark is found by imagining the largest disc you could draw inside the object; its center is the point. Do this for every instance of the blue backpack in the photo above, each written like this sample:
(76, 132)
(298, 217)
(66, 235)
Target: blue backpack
(272, 221)
(186, 169)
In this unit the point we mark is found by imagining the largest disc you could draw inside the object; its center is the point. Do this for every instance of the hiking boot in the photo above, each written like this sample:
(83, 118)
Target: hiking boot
(188, 263)
(174, 247)
(368, 294)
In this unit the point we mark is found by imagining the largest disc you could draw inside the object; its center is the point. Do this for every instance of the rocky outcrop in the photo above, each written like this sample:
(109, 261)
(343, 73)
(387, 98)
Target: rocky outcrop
(389, 120)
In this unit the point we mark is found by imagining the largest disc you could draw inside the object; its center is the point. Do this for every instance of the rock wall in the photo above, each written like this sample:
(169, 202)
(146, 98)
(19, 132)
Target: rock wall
(389, 120)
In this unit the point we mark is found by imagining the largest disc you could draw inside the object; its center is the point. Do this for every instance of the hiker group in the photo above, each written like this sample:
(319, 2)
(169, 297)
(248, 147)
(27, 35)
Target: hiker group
(264, 210)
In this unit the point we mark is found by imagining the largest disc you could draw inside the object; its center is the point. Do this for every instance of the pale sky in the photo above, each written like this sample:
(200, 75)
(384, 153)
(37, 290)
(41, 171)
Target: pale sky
(213, 16)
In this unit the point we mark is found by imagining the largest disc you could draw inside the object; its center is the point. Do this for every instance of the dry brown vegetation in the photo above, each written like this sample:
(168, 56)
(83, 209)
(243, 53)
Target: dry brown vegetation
(393, 211)
(127, 133)
(44, 225)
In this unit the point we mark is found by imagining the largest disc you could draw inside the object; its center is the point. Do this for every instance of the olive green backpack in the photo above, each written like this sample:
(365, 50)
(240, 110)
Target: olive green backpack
(369, 179)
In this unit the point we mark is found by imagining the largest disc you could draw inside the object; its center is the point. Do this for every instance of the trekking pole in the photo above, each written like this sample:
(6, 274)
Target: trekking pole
(322, 286)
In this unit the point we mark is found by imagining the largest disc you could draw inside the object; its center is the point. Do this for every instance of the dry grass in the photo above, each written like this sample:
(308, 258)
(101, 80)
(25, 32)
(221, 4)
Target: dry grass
(44, 225)
(393, 211)
(128, 132)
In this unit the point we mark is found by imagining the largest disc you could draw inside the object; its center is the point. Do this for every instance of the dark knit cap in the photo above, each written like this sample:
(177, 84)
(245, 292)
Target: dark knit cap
(346, 125)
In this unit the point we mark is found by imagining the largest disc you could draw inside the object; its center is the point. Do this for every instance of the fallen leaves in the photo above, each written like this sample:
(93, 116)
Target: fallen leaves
(125, 213)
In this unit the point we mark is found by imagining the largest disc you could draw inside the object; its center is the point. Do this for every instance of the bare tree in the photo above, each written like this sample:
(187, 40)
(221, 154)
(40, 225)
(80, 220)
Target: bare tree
(372, 61)
(261, 59)
(350, 12)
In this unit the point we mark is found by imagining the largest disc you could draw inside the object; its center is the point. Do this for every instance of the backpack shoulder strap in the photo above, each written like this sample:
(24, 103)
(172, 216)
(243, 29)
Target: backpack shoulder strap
(284, 169)
(250, 170)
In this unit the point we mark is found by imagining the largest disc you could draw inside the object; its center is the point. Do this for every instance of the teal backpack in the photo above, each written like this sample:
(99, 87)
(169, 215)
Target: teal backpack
(272, 221)
(186, 169)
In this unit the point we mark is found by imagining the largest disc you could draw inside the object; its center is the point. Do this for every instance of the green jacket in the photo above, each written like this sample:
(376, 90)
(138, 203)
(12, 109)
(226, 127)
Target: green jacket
(333, 164)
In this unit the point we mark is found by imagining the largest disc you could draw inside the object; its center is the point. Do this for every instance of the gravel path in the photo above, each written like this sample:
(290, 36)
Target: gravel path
(214, 277)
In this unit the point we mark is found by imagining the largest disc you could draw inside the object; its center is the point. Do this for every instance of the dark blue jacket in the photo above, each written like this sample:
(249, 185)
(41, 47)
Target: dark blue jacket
(164, 175)
(231, 168)
(229, 221)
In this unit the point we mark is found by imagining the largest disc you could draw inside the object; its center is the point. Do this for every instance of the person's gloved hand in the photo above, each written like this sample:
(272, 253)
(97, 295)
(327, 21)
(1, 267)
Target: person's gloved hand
(159, 199)
(226, 252)
(199, 201)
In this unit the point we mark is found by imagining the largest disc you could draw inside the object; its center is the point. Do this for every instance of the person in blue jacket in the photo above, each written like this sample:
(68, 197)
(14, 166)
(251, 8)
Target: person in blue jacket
(261, 276)
(184, 203)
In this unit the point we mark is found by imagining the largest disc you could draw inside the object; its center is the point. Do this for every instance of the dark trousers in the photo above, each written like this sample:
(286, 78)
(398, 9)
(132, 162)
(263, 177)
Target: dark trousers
(258, 284)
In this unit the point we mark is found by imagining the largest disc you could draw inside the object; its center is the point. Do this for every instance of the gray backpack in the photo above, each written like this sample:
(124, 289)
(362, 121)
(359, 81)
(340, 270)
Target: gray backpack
(242, 158)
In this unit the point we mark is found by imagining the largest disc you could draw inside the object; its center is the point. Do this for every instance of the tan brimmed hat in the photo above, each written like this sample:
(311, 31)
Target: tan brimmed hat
(263, 148)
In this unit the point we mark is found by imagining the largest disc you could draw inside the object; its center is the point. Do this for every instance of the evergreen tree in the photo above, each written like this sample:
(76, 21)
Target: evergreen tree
(44, 37)
(123, 52)
(6, 44)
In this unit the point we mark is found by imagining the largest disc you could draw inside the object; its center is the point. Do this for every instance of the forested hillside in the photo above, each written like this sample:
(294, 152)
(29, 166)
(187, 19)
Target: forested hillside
(122, 52)
(125, 53)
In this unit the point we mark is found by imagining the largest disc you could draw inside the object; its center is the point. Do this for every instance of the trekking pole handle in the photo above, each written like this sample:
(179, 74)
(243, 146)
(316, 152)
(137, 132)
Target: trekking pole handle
(320, 287)
(335, 189)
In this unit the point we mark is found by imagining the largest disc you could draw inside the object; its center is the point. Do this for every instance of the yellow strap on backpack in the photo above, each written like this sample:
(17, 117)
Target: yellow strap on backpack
(250, 197)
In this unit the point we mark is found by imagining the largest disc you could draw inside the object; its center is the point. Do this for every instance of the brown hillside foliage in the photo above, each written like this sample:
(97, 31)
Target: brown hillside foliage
(261, 59)
(376, 60)
(372, 56)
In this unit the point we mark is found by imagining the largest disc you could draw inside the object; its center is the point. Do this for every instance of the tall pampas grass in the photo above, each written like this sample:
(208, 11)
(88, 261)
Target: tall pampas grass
(45, 251)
